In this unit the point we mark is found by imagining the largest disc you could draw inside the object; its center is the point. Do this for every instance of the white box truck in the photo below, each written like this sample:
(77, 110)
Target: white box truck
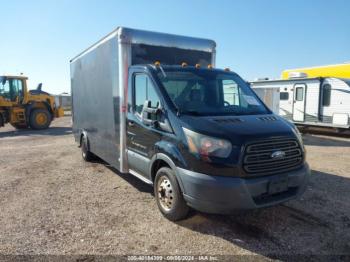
(152, 105)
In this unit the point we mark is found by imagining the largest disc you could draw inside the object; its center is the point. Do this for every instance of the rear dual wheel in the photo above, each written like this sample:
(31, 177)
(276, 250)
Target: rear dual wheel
(85, 152)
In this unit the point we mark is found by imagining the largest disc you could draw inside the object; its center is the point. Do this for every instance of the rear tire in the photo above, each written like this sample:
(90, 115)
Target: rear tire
(85, 153)
(168, 195)
(40, 119)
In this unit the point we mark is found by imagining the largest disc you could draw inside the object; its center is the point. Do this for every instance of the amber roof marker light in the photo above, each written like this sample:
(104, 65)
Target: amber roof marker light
(227, 69)
(210, 66)
(157, 64)
(184, 64)
(197, 65)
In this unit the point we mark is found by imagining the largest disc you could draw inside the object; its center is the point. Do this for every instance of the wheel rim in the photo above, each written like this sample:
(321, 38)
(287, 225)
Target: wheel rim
(165, 193)
(41, 119)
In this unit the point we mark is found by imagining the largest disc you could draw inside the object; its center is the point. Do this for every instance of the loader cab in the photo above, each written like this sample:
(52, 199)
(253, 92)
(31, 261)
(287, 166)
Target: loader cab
(13, 89)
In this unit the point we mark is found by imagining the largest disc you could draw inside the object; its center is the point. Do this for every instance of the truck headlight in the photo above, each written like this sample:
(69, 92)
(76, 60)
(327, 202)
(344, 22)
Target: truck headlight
(207, 146)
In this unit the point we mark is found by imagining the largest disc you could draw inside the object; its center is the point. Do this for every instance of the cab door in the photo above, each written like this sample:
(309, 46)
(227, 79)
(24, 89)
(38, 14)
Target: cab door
(141, 137)
(299, 102)
(17, 90)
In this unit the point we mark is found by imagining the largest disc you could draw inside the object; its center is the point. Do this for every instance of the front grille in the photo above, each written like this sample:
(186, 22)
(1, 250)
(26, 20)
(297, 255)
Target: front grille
(258, 156)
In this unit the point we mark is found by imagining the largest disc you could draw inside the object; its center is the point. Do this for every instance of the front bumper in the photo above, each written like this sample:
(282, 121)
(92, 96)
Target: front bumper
(223, 195)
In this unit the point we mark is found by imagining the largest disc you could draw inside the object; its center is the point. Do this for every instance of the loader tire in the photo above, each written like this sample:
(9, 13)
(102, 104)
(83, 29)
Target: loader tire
(40, 119)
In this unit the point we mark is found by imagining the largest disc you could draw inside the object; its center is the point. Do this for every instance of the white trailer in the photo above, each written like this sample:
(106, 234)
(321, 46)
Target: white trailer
(313, 101)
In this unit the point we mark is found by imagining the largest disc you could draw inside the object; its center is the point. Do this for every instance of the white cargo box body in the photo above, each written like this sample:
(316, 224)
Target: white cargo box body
(99, 83)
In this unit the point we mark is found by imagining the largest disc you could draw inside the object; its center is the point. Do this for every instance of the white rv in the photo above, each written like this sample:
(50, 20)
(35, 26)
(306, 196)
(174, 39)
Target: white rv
(321, 101)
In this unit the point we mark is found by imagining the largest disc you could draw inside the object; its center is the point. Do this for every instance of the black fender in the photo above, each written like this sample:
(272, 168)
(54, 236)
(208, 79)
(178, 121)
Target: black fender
(170, 163)
(168, 153)
(163, 157)
(172, 151)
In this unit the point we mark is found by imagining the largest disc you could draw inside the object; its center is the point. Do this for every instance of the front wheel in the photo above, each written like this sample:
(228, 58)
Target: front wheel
(169, 196)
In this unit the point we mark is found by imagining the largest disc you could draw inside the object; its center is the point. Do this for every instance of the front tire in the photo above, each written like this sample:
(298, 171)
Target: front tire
(168, 195)
(39, 119)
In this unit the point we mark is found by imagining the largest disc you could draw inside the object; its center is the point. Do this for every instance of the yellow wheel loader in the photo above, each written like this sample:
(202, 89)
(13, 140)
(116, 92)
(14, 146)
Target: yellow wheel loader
(26, 109)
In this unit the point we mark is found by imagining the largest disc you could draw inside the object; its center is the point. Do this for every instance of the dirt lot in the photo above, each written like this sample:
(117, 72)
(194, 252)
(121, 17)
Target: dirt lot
(51, 202)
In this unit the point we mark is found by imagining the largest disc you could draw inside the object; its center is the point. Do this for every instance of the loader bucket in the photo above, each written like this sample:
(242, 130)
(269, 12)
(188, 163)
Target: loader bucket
(59, 112)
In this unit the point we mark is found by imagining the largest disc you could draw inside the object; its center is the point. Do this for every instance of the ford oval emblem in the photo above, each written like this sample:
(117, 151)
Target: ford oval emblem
(278, 154)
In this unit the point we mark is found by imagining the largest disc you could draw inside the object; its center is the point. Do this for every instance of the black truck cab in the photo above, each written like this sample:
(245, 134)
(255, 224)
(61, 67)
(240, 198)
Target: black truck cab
(205, 140)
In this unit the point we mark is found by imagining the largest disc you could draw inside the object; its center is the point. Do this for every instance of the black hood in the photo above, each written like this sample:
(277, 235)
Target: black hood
(239, 129)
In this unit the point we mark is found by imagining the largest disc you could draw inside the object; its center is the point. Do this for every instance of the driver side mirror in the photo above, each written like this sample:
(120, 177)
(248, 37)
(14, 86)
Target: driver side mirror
(149, 114)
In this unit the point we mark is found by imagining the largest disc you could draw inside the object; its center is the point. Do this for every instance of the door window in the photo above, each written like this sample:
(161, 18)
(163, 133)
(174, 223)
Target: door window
(5, 89)
(284, 96)
(326, 95)
(231, 92)
(17, 89)
(144, 90)
(11, 89)
(299, 94)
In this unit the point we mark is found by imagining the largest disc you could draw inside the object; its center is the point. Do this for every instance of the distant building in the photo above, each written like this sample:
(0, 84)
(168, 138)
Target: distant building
(338, 71)
(64, 100)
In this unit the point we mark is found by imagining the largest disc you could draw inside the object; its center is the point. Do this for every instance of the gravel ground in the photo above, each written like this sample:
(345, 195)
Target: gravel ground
(52, 202)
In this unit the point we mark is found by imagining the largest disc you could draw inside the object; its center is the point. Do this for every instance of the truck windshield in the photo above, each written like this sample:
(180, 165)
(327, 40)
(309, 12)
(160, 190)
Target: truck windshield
(209, 92)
